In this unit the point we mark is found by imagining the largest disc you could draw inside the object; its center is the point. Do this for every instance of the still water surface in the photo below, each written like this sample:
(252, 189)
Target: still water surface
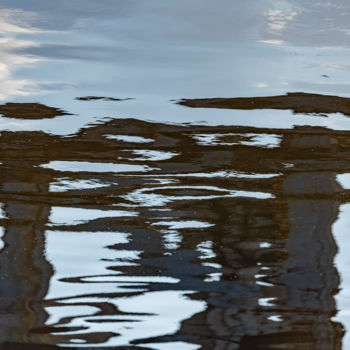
(174, 175)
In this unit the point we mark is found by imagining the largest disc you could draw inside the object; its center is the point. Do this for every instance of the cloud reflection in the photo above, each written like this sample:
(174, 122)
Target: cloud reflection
(15, 22)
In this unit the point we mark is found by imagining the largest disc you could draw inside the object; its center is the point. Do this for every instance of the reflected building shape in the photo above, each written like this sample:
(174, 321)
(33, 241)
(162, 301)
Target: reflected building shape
(25, 273)
(236, 234)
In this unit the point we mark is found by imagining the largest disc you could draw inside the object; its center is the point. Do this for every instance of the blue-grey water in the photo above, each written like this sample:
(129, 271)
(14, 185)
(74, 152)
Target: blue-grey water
(174, 174)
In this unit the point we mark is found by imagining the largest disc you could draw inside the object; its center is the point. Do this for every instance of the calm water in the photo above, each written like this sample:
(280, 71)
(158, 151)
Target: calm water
(174, 175)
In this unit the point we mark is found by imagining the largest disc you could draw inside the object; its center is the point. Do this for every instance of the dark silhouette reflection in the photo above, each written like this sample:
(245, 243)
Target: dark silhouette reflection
(95, 98)
(225, 231)
(298, 102)
(25, 273)
(30, 111)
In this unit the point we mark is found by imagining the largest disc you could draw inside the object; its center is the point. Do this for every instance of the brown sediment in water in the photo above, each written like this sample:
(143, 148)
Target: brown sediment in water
(30, 111)
(298, 102)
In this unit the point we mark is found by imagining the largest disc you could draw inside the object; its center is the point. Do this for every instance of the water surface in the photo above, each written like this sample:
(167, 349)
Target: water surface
(174, 175)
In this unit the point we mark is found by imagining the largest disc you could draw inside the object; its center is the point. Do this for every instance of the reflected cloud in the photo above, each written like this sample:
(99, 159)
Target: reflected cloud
(16, 21)
(312, 23)
(278, 19)
(12, 23)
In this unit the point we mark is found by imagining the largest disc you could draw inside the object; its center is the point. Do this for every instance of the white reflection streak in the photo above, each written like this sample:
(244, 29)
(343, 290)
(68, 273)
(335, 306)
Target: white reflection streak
(207, 253)
(2, 212)
(164, 312)
(13, 22)
(2, 232)
(249, 139)
(146, 197)
(171, 239)
(146, 315)
(342, 262)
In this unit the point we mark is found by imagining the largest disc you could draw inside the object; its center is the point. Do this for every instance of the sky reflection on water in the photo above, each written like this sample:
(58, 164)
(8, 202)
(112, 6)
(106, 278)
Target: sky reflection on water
(155, 52)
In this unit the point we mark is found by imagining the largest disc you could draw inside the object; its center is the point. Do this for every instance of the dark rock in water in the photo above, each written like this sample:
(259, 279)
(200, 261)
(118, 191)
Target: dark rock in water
(94, 98)
(30, 111)
(298, 102)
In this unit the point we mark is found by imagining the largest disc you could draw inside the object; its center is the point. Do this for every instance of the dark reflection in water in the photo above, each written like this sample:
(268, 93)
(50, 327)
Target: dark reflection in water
(30, 111)
(94, 98)
(157, 236)
(298, 102)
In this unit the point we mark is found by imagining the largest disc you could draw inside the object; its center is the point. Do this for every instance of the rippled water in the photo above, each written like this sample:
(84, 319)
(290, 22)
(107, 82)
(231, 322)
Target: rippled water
(174, 175)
